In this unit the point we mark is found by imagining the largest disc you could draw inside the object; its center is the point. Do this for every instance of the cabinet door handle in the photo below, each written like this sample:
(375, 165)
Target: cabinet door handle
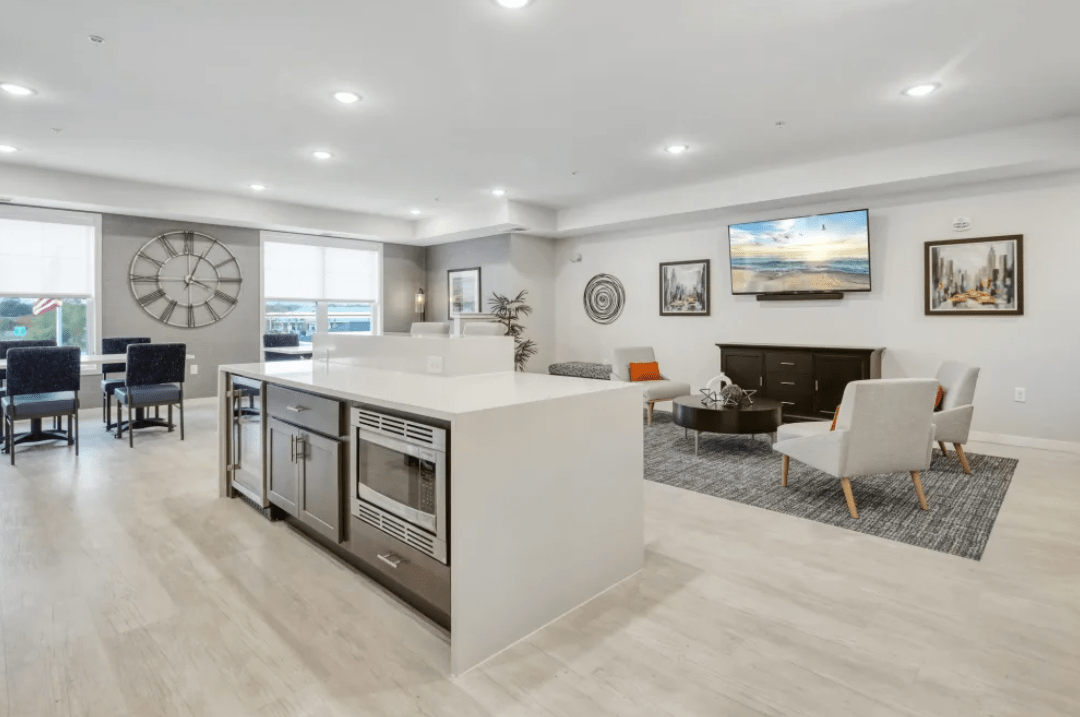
(787, 383)
(787, 363)
(390, 559)
(817, 385)
(788, 403)
(761, 381)
(296, 409)
(301, 448)
(292, 448)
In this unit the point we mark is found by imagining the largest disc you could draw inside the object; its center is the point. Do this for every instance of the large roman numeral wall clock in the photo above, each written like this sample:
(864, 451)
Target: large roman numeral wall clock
(186, 279)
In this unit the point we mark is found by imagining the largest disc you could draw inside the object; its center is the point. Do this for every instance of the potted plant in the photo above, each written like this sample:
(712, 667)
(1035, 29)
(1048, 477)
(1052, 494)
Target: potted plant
(508, 312)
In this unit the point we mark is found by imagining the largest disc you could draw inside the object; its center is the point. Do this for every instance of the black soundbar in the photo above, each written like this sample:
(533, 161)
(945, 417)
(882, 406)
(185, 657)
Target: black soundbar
(799, 297)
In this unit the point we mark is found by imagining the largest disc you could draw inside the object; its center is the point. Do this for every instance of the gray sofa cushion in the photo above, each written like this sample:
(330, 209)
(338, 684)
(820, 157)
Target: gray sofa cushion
(581, 369)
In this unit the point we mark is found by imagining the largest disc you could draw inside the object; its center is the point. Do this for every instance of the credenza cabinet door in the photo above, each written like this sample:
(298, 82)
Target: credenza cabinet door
(282, 476)
(745, 368)
(320, 504)
(832, 374)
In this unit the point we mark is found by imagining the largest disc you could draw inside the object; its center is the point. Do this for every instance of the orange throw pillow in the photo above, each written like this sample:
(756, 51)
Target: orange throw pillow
(836, 414)
(645, 372)
(940, 397)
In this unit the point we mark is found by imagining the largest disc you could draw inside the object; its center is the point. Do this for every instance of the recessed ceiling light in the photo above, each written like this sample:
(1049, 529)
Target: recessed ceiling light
(17, 90)
(346, 98)
(97, 39)
(923, 89)
(258, 187)
(677, 148)
(415, 212)
(8, 149)
(498, 192)
(321, 154)
(513, 4)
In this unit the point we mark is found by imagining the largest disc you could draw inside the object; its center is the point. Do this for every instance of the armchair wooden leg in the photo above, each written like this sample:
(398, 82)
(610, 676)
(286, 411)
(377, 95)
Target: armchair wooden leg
(918, 490)
(849, 497)
(944, 450)
(651, 404)
(783, 477)
(962, 457)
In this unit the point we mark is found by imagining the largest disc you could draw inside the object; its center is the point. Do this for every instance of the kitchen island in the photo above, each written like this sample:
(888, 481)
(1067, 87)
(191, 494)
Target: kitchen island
(543, 482)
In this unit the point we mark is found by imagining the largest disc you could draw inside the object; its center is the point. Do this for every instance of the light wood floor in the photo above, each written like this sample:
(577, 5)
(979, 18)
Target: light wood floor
(130, 590)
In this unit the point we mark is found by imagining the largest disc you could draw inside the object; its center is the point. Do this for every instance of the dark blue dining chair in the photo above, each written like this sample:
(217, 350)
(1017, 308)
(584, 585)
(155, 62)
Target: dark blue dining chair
(109, 385)
(24, 343)
(272, 341)
(155, 377)
(42, 382)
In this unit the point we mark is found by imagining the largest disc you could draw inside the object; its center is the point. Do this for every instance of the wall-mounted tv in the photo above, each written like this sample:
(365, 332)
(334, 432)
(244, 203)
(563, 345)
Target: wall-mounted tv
(823, 253)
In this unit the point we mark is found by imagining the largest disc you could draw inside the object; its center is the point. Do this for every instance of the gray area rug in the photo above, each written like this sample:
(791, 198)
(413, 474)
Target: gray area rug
(739, 468)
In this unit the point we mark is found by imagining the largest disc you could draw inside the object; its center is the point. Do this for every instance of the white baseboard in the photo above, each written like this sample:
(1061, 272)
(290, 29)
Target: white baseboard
(1026, 442)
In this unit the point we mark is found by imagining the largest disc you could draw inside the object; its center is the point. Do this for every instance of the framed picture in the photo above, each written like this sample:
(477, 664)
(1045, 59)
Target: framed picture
(464, 293)
(684, 288)
(975, 277)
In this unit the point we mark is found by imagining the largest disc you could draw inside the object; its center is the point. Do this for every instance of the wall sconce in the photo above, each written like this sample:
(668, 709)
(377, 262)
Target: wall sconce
(418, 305)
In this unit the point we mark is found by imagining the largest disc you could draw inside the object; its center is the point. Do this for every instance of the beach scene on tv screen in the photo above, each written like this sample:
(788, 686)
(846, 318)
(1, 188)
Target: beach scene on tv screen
(828, 252)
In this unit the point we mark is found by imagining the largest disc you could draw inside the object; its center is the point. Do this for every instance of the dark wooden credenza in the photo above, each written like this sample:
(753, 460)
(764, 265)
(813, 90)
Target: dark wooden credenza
(808, 380)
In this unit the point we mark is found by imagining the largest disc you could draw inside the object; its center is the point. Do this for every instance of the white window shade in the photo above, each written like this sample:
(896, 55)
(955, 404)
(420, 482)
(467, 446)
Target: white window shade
(319, 273)
(46, 259)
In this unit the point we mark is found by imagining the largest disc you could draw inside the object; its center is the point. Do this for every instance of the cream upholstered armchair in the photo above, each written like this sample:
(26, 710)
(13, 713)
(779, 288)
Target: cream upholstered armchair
(884, 426)
(663, 390)
(429, 328)
(953, 419)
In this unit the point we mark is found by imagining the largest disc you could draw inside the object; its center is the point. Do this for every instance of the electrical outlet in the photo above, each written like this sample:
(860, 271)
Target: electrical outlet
(1020, 395)
(194, 369)
(434, 364)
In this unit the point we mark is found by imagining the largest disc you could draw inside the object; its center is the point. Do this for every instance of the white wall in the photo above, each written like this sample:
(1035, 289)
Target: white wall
(1037, 351)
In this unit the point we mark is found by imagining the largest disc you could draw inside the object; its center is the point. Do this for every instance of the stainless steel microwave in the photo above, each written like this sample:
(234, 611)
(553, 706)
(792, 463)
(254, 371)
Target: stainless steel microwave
(399, 469)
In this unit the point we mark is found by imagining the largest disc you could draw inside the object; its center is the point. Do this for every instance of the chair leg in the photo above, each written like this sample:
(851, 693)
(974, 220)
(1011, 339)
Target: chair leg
(849, 497)
(651, 404)
(962, 457)
(944, 450)
(76, 430)
(783, 477)
(70, 438)
(104, 413)
(181, 404)
(918, 490)
(131, 427)
(170, 419)
(119, 420)
(11, 440)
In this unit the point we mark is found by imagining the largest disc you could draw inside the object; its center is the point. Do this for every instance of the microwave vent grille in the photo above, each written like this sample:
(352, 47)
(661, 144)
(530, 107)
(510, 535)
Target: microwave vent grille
(394, 526)
(400, 428)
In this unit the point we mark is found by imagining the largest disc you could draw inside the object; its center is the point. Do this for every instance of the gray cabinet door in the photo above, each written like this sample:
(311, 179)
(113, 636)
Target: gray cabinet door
(320, 502)
(282, 471)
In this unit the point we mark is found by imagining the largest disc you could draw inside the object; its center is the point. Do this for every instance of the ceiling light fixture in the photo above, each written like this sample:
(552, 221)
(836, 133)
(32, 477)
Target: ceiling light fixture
(321, 154)
(17, 90)
(677, 149)
(346, 98)
(513, 4)
(415, 212)
(923, 89)
(97, 39)
(8, 149)
(258, 187)
(498, 192)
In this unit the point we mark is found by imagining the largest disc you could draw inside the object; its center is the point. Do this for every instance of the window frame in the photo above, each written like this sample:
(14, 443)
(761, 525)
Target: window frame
(322, 311)
(85, 219)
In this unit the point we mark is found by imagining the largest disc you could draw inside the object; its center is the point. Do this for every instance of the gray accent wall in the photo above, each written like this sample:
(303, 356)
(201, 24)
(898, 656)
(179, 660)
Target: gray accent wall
(508, 263)
(404, 271)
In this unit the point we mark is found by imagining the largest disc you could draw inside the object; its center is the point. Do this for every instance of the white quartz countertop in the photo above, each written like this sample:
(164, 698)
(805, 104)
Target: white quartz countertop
(433, 395)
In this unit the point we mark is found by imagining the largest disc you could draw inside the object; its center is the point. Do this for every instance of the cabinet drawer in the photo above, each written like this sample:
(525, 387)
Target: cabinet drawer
(789, 363)
(305, 409)
(787, 384)
(797, 405)
(416, 573)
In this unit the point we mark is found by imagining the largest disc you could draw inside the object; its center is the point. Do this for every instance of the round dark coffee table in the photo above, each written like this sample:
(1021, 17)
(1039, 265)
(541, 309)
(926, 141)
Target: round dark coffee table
(764, 415)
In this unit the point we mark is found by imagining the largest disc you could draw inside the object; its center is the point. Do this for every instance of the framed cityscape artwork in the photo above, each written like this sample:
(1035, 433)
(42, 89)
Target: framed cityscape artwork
(464, 295)
(684, 288)
(975, 277)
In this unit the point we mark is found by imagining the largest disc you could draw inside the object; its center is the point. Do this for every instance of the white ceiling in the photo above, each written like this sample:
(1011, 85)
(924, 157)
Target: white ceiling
(461, 95)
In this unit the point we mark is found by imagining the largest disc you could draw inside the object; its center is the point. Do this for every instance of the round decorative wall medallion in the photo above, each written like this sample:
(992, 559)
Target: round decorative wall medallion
(185, 279)
(604, 298)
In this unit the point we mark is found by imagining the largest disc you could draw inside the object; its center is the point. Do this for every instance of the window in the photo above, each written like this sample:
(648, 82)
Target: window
(49, 276)
(320, 284)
